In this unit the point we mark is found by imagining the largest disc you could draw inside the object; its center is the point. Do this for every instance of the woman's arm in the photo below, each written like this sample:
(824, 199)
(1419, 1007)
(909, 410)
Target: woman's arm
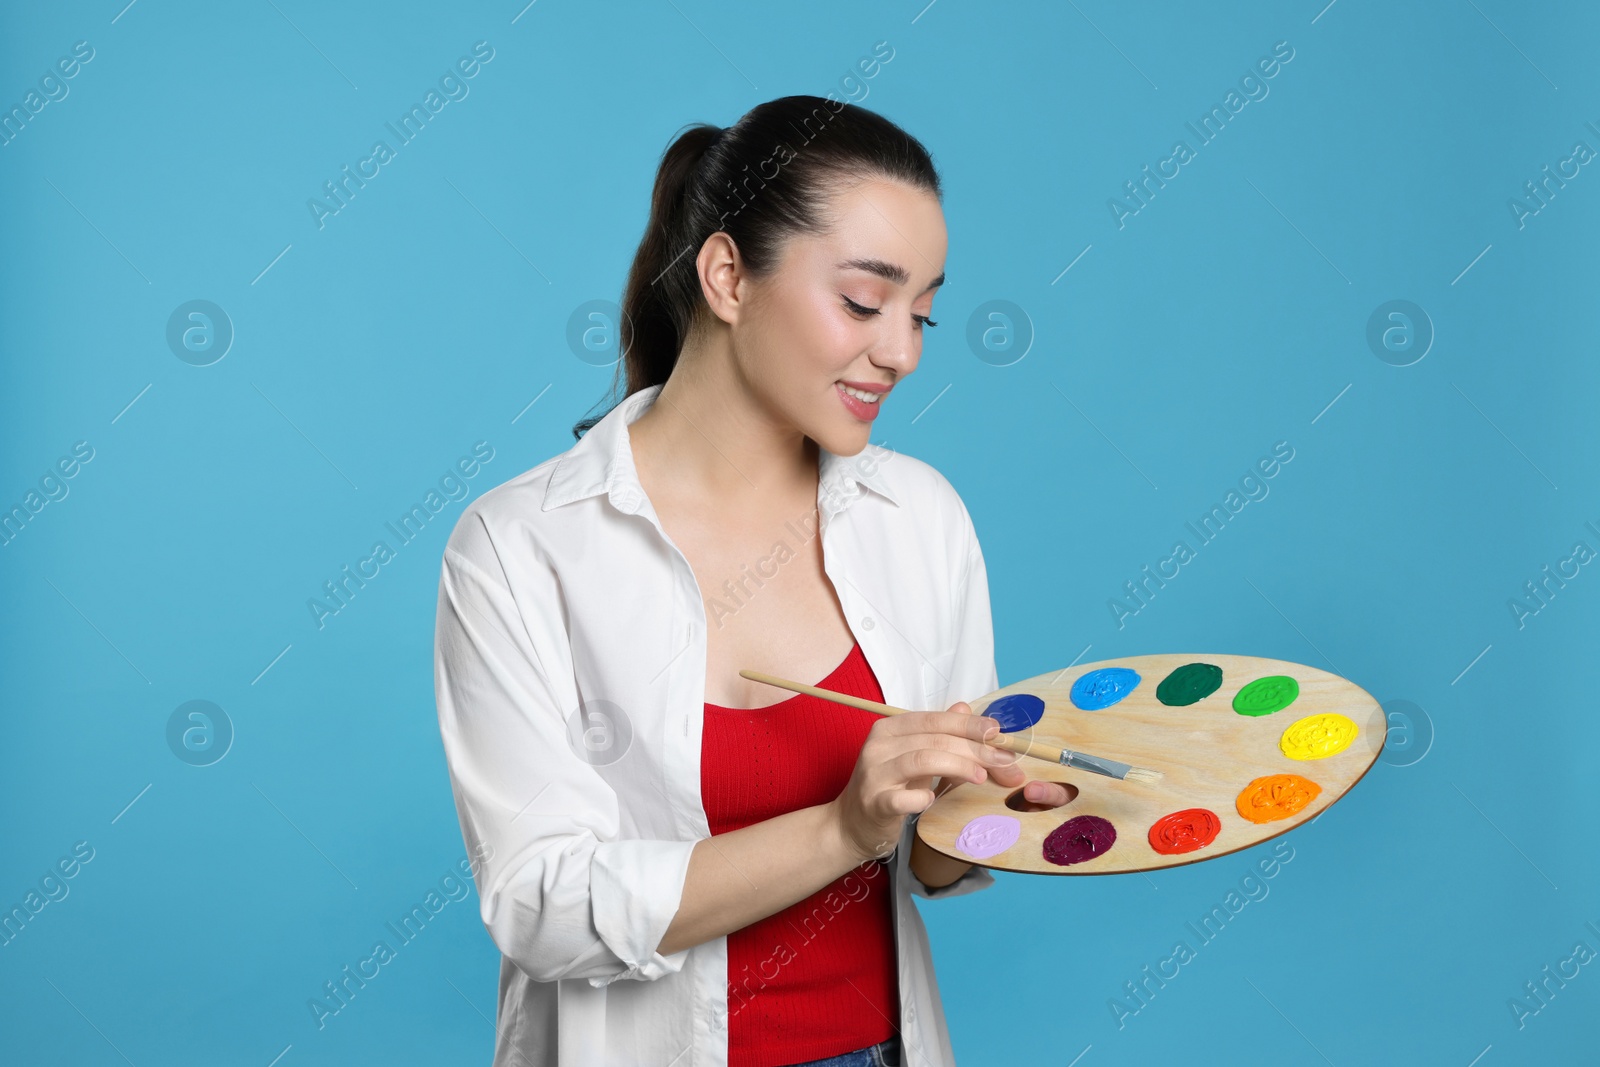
(934, 869)
(737, 878)
(745, 875)
(562, 893)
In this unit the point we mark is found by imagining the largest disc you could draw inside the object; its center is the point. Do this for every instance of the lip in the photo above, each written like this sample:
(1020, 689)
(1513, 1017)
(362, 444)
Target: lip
(860, 409)
(867, 387)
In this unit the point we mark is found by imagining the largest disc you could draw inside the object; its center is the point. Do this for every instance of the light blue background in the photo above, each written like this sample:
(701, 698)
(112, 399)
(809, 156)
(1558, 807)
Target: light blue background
(1227, 315)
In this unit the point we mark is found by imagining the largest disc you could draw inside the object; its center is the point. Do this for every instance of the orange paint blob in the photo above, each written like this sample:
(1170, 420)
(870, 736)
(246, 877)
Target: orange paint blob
(1277, 796)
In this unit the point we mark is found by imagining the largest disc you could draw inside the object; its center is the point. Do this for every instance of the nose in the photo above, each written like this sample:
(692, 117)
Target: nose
(899, 349)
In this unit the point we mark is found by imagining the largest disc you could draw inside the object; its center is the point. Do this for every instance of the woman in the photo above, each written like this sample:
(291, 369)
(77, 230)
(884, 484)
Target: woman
(681, 866)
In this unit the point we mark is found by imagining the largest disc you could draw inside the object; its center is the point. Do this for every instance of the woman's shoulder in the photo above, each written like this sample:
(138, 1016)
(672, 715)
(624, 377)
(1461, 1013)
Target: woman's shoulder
(914, 483)
(510, 512)
(927, 518)
(518, 496)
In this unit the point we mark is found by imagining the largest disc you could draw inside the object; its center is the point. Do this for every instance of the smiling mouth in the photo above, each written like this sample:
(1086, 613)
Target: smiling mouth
(863, 395)
(862, 404)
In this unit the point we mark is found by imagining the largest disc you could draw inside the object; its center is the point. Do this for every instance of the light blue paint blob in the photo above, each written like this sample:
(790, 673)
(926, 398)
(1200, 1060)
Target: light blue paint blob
(1016, 712)
(1104, 687)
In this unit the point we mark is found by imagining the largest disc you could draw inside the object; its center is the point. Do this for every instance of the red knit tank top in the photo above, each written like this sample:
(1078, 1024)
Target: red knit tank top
(819, 977)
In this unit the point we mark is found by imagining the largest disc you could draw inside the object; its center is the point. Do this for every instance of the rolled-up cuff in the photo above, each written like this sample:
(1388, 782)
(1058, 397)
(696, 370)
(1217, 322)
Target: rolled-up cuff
(975, 879)
(636, 888)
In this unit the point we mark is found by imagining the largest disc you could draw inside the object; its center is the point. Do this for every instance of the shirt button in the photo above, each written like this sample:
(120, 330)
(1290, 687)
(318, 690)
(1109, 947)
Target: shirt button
(867, 623)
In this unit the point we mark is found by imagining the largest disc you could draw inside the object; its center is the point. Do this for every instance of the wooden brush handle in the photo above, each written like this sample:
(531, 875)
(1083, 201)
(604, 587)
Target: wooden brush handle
(1021, 746)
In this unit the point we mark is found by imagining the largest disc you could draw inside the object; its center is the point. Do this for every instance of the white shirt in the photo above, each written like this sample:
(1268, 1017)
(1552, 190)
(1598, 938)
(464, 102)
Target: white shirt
(569, 667)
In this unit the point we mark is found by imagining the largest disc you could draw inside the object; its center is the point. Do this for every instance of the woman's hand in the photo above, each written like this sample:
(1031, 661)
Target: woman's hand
(895, 772)
(1011, 774)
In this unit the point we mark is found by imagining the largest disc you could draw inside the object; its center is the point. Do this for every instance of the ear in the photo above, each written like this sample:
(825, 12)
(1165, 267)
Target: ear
(723, 280)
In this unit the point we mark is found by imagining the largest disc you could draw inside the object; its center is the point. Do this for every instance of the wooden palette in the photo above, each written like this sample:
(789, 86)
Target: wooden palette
(1208, 753)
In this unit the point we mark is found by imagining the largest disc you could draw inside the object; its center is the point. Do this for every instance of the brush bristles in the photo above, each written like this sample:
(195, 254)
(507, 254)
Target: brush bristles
(1143, 774)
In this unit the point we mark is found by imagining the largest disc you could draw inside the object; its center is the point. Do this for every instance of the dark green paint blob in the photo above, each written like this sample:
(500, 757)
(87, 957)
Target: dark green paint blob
(1189, 683)
(1266, 695)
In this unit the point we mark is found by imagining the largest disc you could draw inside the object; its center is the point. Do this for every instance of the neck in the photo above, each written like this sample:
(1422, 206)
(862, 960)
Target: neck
(708, 435)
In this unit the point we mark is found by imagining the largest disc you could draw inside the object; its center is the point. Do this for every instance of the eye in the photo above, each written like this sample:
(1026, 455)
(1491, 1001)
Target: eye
(920, 320)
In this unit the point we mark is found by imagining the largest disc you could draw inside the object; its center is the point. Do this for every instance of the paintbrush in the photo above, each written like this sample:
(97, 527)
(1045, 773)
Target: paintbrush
(1022, 747)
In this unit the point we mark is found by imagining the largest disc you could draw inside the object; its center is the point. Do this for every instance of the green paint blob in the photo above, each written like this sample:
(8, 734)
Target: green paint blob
(1189, 683)
(1266, 695)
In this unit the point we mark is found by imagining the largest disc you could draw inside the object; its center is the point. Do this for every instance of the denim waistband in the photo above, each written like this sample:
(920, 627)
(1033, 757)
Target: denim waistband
(883, 1054)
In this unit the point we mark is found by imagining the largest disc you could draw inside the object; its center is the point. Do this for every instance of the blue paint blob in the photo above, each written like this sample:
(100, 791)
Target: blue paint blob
(1016, 712)
(1104, 687)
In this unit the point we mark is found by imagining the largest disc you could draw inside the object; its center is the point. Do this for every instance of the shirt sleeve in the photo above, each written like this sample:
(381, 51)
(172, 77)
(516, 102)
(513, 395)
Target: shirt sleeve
(563, 894)
(974, 675)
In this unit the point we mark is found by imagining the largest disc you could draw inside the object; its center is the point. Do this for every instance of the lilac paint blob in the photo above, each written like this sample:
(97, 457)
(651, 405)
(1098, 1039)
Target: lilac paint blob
(1079, 839)
(1016, 712)
(988, 835)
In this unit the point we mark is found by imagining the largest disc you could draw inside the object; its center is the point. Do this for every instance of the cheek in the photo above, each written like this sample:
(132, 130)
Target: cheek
(814, 338)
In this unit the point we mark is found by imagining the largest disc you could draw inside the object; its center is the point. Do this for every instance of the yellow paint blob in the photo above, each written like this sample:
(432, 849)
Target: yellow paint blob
(1318, 736)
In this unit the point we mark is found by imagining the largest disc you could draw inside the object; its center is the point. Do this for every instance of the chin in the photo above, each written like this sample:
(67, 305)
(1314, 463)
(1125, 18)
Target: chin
(842, 440)
(830, 424)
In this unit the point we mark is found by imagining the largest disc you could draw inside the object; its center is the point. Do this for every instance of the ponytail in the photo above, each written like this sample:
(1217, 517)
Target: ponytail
(760, 181)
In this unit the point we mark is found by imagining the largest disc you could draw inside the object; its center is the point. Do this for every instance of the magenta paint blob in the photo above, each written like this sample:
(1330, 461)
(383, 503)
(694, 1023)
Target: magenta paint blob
(1078, 839)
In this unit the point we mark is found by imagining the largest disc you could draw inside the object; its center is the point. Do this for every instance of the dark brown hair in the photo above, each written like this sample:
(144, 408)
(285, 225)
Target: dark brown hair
(762, 180)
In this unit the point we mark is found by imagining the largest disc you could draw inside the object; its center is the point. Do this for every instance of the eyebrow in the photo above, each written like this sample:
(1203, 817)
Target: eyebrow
(892, 271)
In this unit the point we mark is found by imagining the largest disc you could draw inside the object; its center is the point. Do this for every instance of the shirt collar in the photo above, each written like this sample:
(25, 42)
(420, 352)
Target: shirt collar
(602, 462)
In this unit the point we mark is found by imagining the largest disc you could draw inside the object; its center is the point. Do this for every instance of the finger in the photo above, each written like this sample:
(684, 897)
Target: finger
(978, 751)
(1005, 759)
(907, 801)
(1042, 792)
(920, 800)
(957, 723)
(1009, 775)
(918, 763)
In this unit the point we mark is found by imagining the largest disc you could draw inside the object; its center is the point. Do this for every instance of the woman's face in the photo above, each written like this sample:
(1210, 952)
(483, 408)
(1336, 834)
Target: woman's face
(822, 340)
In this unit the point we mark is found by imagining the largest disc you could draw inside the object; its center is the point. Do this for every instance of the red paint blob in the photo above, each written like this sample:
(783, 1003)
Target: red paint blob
(1184, 831)
(1079, 839)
